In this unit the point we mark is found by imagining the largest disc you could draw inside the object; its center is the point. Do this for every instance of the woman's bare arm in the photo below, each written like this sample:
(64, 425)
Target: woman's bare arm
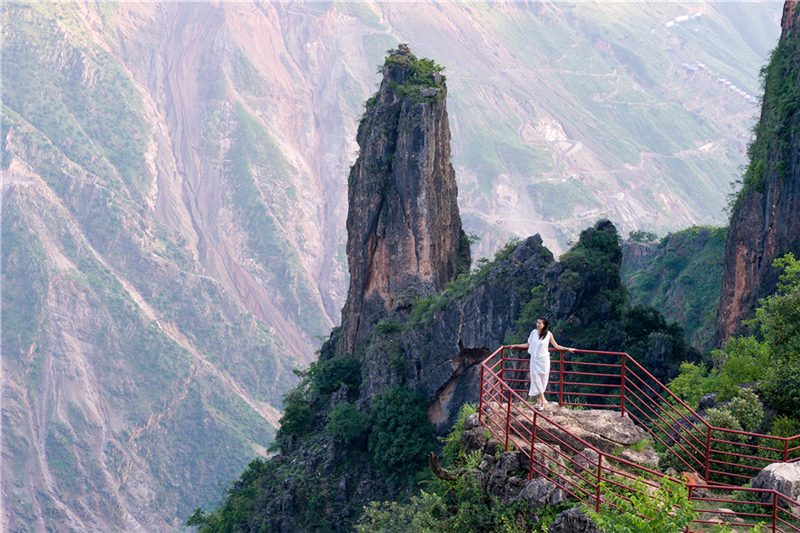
(520, 346)
(558, 346)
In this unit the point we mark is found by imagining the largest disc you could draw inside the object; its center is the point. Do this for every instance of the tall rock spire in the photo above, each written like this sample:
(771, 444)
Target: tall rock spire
(765, 222)
(403, 226)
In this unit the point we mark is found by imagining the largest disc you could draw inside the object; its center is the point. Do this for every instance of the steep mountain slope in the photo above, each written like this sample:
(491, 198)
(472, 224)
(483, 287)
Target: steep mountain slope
(764, 223)
(174, 203)
(680, 276)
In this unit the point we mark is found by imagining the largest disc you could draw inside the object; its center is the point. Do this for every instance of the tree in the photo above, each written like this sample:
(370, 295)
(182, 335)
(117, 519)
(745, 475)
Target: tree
(778, 317)
(402, 434)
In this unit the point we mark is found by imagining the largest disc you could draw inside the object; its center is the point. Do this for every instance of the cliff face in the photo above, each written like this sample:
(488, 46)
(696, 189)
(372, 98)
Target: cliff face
(403, 226)
(764, 224)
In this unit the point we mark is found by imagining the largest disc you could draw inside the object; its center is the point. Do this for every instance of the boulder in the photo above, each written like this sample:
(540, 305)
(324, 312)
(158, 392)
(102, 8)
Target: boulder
(471, 421)
(573, 521)
(605, 430)
(586, 460)
(541, 492)
(548, 458)
(647, 457)
(504, 479)
(474, 439)
(781, 477)
(428, 92)
(493, 446)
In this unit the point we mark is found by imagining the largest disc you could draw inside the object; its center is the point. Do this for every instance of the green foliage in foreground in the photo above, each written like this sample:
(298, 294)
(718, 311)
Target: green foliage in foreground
(668, 511)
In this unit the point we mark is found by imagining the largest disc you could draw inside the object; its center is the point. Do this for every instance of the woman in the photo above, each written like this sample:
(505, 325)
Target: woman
(537, 345)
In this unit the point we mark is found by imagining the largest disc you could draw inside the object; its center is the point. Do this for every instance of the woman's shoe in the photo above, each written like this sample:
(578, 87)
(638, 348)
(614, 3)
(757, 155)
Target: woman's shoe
(538, 407)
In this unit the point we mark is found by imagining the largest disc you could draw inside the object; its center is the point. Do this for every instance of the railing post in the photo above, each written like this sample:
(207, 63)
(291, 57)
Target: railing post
(480, 400)
(774, 511)
(503, 364)
(691, 489)
(508, 418)
(786, 450)
(622, 384)
(708, 452)
(561, 381)
(599, 478)
(533, 445)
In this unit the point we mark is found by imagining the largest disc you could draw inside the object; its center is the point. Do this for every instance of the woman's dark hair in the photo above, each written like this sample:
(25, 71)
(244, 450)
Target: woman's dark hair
(545, 327)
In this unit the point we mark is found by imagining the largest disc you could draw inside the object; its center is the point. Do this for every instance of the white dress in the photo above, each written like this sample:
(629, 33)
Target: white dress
(540, 361)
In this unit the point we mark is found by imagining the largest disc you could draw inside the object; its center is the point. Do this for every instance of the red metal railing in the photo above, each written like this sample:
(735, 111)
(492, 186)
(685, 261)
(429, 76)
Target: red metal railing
(616, 381)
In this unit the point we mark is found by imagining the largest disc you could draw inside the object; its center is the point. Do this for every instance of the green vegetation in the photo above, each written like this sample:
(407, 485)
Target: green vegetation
(421, 73)
(769, 151)
(346, 422)
(642, 236)
(667, 511)
(742, 360)
(596, 251)
(456, 505)
(681, 279)
(25, 282)
(402, 434)
(562, 200)
(80, 98)
(771, 363)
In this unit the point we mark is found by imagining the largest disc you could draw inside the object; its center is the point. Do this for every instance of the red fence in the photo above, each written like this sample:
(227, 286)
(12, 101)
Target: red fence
(614, 380)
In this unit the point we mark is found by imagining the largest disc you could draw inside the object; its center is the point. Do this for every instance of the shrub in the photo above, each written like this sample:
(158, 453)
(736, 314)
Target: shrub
(296, 419)
(747, 409)
(668, 511)
(781, 389)
(690, 384)
(642, 236)
(402, 434)
(347, 422)
(328, 376)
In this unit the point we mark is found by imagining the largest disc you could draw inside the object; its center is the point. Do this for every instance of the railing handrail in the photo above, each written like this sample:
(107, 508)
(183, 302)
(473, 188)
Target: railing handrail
(648, 375)
(499, 390)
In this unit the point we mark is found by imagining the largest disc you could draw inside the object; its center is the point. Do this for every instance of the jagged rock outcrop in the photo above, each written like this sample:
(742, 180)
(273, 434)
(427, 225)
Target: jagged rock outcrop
(781, 477)
(764, 223)
(442, 357)
(403, 226)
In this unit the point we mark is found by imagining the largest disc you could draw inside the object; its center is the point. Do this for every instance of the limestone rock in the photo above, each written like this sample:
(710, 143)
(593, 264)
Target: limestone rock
(605, 430)
(503, 479)
(471, 421)
(541, 492)
(573, 521)
(403, 225)
(647, 457)
(428, 92)
(764, 223)
(782, 477)
(493, 446)
(474, 439)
